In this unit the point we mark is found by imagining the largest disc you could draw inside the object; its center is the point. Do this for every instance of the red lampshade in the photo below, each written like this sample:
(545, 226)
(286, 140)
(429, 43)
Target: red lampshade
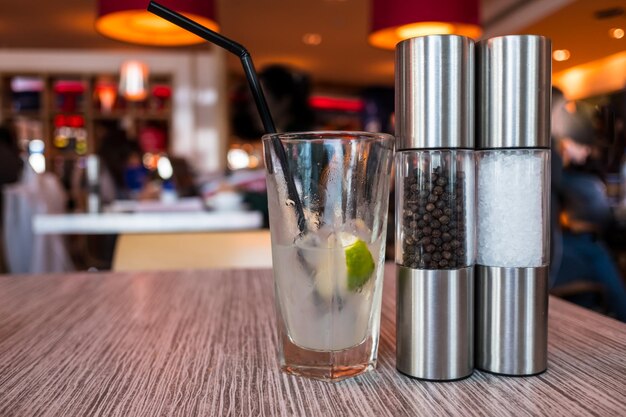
(396, 20)
(129, 21)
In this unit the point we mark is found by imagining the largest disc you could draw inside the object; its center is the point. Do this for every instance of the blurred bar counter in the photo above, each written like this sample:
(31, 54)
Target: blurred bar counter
(121, 223)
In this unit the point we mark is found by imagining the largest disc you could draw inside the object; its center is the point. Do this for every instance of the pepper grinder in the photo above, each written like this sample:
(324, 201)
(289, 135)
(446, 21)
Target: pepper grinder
(435, 231)
(513, 194)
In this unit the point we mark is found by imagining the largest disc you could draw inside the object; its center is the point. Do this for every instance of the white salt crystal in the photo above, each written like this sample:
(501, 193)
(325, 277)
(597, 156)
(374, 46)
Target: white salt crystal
(510, 208)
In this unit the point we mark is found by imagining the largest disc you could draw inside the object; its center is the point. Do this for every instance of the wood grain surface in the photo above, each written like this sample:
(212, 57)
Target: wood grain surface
(203, 343)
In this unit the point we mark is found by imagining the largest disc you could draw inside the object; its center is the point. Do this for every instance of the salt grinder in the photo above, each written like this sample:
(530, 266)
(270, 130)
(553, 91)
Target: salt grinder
(513, 194)
(435, 231)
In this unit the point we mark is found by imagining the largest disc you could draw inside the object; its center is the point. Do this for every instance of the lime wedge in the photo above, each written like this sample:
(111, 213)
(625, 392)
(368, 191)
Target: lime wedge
(359, 261)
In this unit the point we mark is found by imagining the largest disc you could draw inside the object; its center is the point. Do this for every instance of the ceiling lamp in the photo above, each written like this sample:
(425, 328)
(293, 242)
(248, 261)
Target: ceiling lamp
(129, 21)
(134, 80)
(396, 20)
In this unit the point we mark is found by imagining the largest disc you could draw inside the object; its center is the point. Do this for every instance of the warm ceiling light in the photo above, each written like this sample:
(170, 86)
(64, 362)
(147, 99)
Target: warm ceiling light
(616, 33)
(129, 21)
(396, 20)
(561, 55)
(312, 39)
(134, 80)
(593, 78)
(425, 28)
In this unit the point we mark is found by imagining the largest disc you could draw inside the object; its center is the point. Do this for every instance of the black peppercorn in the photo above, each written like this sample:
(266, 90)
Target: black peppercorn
(433, 218)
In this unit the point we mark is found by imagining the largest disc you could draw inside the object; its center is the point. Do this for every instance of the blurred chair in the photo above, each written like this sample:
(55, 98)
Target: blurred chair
(250, 249)
(577, 289)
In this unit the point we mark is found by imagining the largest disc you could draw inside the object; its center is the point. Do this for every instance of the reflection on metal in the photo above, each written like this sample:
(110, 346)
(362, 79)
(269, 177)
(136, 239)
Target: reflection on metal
(435, 311)
(512, 320)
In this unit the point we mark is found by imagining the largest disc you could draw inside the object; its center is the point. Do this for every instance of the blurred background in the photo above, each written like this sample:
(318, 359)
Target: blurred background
(120, 137)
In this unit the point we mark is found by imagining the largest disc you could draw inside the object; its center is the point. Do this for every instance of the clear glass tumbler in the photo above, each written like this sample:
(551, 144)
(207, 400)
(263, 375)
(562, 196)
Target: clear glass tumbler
(328, 276)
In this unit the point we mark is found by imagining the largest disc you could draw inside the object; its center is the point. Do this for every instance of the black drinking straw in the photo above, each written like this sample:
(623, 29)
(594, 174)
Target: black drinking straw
(248, 67)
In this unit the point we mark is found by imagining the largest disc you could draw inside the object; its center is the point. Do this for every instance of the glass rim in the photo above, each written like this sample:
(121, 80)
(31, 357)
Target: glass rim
(327, 135)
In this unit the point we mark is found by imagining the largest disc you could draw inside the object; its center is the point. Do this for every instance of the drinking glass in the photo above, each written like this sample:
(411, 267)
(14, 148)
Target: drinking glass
(328, 273)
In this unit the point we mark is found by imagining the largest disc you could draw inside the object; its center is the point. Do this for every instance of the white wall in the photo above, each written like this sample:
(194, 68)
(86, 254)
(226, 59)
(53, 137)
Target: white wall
(200, 103)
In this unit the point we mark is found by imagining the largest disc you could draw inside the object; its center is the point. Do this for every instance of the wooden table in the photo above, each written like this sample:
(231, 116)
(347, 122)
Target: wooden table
(204, 343)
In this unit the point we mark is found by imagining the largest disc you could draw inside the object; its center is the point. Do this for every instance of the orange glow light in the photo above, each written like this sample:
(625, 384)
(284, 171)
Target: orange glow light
(313, 39)
(143, 27)
(393, 21)
(134, 80)
(107, 98)
(561, 55)
(616, 33)
(389, 37)
(593, 78)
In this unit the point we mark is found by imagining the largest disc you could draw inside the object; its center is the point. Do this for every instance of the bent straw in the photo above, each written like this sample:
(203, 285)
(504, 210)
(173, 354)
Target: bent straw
(261, 104)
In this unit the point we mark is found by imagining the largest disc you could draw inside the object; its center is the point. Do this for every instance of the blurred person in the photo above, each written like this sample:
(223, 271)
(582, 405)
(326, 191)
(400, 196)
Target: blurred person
(556, 167)
(584, 209)
(10, 160)
(123, 176)
(10, 169)
(183, 177)
(287, 93)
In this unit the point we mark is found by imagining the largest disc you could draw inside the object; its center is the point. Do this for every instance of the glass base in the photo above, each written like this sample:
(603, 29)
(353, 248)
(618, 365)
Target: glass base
(332, 366)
